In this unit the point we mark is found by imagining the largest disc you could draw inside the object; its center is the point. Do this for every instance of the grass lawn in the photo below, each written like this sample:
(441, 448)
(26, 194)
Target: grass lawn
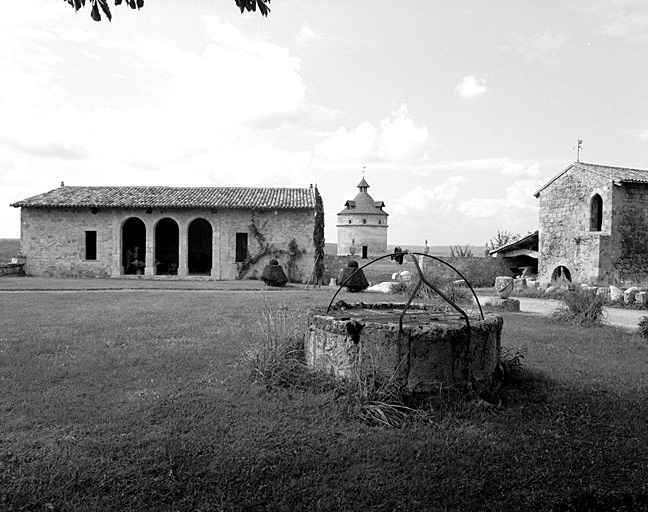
(134, 400)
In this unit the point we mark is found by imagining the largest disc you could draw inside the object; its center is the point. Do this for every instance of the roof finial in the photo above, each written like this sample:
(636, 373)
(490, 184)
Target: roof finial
(578, 147)
(363, 170)
(62, 184)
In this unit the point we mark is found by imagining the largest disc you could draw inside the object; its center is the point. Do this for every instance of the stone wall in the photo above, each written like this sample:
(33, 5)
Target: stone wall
(565, 238)
(53, 239)
(628, 252)
(373, 234)
(618, 251)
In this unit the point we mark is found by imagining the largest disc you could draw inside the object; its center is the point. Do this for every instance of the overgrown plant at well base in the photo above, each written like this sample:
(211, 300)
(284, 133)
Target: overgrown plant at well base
(582, 308)
(275, 353)
(274, 359)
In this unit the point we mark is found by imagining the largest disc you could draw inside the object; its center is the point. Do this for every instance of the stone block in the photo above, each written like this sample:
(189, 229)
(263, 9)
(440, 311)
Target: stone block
(629, 294)
(503, 304)
(616, 294)
(641, 299)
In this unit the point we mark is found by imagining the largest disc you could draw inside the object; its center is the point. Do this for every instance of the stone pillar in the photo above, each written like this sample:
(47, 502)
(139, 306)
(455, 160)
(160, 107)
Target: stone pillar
(216, 243)
(149, 270)
(183, 269)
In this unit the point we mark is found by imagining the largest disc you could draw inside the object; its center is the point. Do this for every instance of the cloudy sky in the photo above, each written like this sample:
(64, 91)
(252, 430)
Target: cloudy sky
(459, 111)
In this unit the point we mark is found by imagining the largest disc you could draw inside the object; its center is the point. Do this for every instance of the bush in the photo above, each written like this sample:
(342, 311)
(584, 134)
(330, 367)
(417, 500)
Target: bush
(358, 282)
(581, 308)
(642, 328)
(273, 274)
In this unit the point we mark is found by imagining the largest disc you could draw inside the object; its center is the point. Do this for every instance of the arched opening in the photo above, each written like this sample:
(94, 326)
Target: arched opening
(167, 238)
(133, 246)
(561, 274)
(596, 213)
(200, 247)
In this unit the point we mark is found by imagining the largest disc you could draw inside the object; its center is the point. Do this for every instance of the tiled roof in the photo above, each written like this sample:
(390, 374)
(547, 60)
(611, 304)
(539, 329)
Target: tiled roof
(173, 197)
(616, 174)
(529, 241)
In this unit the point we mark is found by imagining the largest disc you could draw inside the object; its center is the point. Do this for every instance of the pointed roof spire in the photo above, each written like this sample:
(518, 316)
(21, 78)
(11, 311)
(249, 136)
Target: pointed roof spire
(363, 185)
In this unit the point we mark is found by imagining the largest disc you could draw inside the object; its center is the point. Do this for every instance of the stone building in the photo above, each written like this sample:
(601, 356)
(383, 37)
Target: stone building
(220, 233)
(362, 224)
(593, 224)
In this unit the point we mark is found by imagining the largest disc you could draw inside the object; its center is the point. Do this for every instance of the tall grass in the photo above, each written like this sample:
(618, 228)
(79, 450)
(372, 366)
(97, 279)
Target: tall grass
(274, 355)
(582, 308)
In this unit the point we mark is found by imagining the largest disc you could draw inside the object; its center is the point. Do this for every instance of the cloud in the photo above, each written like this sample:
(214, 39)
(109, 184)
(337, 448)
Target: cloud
(471, 87)
(307, 34)
(543, 48)
(420, 199)
(630, 21)
(518, 198)
(519, 169)
(399, 138)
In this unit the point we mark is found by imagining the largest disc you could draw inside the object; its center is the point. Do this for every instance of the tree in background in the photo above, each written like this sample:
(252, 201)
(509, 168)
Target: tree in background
(458, 251)
(244, 5)
(318, 237)
(501, 239)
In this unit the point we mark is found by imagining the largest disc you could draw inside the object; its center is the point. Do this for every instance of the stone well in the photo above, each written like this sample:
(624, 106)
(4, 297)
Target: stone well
(435, 348)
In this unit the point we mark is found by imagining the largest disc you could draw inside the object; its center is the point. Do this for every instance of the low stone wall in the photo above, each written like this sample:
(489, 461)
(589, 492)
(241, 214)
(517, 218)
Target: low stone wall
(12, 269)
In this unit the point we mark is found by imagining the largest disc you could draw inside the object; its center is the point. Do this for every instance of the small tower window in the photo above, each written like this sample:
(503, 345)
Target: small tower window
(349, 221)
(596, 213)
(364, 221)
(380, 222)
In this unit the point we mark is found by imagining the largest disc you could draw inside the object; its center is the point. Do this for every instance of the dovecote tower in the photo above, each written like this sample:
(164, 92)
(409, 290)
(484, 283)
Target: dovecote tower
(362, 226)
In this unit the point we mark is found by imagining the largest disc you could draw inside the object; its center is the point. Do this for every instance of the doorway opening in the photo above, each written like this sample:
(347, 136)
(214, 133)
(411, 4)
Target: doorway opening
(167, 239)
(133, 246)
(200, 247)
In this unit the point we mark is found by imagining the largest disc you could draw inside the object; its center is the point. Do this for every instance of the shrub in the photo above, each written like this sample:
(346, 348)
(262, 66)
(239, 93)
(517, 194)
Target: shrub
(273, 274)
(642, 328)
(581, 308)
(358, 282)
(512, 365)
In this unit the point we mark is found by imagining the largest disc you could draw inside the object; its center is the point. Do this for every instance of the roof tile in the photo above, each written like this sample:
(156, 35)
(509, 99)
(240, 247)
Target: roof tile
(173, 197)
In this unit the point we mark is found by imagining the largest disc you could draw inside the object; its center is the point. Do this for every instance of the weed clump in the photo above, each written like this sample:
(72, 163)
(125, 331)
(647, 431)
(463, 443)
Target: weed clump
(581, 308)
(274, 355)
(642, 328)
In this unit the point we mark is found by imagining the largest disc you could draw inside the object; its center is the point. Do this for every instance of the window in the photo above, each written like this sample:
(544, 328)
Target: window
(596, 213)
(349, 221)
(364, 221)
(241, 247)
(380, 222)
(90, 245)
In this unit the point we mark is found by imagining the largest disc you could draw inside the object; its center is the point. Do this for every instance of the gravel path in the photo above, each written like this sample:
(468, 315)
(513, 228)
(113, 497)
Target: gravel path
(625, 318)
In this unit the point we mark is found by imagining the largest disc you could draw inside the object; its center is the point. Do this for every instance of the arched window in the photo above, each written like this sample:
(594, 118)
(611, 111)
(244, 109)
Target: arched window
(596, 213)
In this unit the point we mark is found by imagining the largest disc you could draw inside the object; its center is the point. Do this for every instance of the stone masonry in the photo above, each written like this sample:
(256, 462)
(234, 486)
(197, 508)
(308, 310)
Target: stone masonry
(571, 239)
(54, 238)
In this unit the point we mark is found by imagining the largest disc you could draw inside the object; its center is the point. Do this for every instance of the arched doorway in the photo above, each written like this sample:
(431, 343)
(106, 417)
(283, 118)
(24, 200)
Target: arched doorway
(133, 246)
(167, 238)
(561, 273)
(199, 246)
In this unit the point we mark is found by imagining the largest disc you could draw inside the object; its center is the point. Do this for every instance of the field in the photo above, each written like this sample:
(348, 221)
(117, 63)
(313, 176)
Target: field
(135, 399)
(9, 247)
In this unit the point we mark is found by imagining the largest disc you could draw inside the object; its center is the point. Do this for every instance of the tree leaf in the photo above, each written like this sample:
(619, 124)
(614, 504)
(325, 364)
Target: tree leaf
(118, 2)
(104, 7)
(95, 12)
(140, 4)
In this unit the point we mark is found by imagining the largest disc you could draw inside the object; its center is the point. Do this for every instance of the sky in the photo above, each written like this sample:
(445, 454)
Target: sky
(456, 111)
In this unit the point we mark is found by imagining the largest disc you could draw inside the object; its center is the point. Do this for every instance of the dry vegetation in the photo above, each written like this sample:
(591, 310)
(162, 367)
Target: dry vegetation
(137, 400)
